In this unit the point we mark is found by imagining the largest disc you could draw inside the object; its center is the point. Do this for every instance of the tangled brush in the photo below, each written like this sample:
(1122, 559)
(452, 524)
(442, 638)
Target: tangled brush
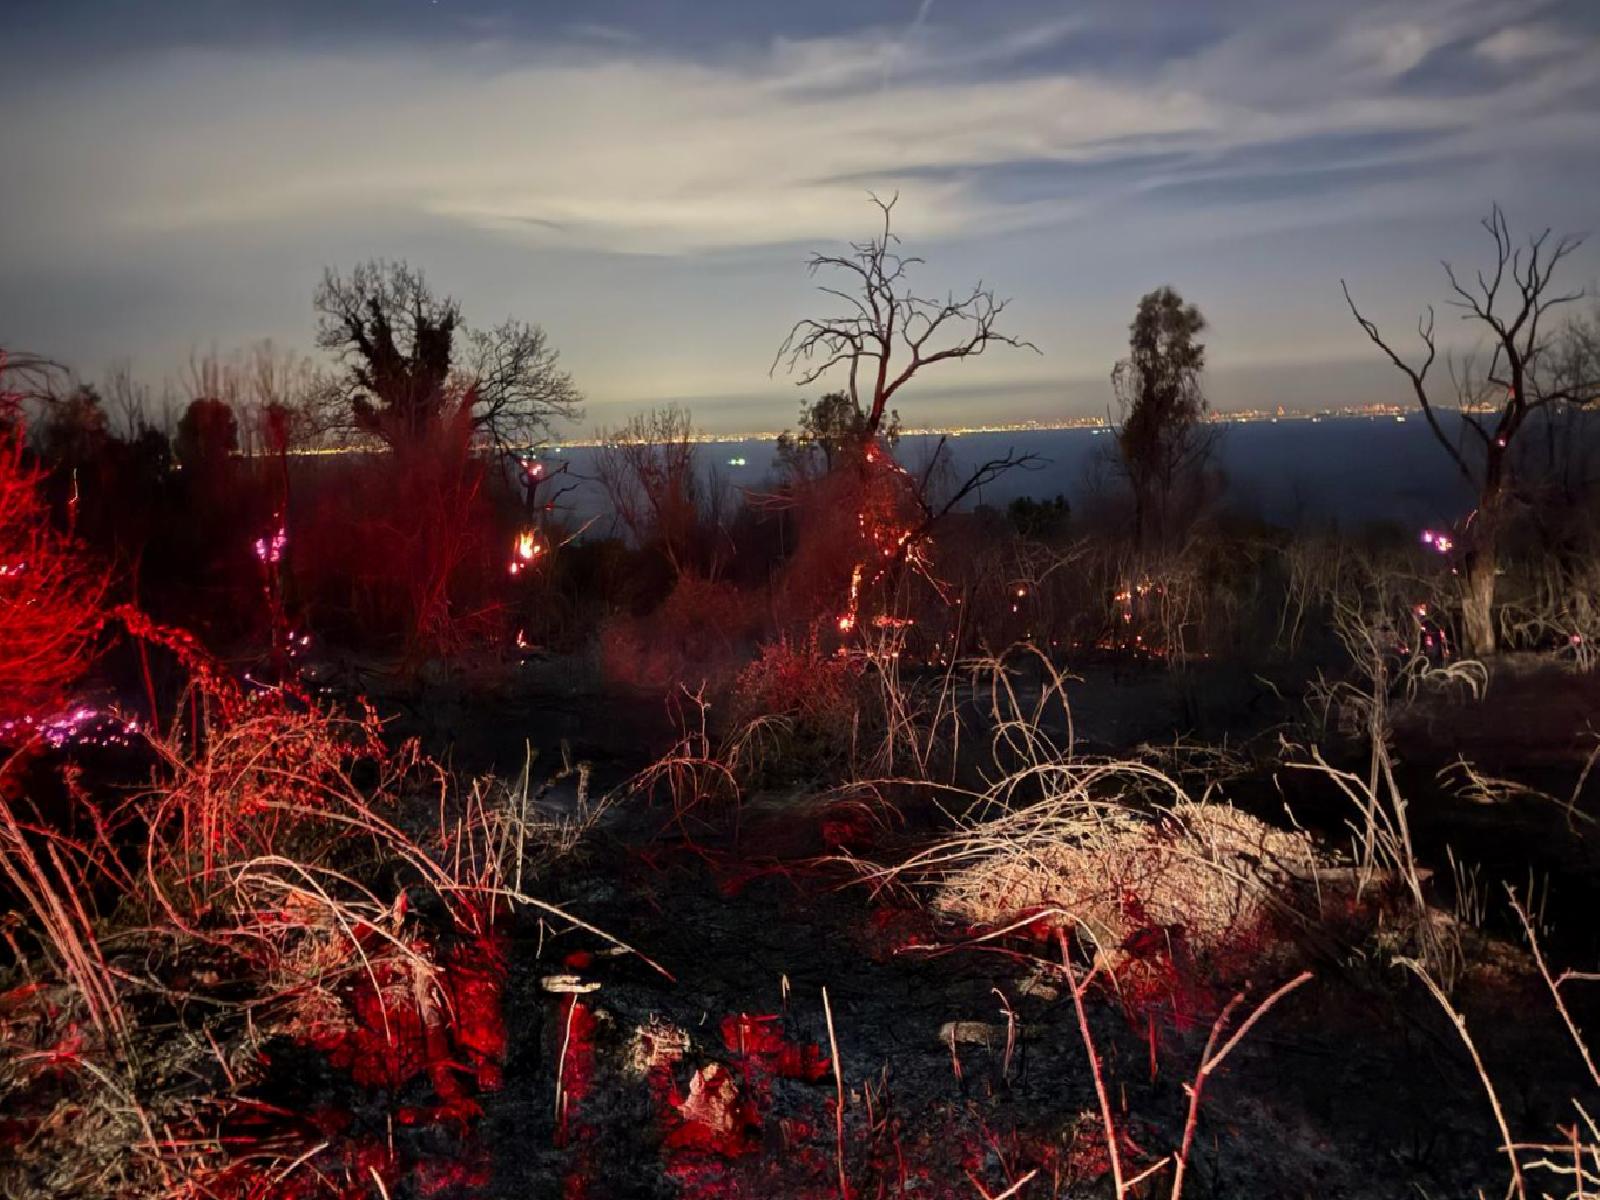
(50, 600)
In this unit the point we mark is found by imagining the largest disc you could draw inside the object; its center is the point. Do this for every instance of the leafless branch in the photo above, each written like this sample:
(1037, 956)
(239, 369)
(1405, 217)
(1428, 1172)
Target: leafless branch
(886, 333)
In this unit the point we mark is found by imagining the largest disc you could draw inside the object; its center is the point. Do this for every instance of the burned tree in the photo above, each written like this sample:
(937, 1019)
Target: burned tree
(886, 334)
(1508, 304)
(435, 392)
(648, 470)
(410, 362)
(873, 520)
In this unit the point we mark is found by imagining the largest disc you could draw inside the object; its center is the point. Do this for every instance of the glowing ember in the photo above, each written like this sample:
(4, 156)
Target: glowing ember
(80, 726)
(525, 551)
(889, 531)
(847, 621)
(270, 549)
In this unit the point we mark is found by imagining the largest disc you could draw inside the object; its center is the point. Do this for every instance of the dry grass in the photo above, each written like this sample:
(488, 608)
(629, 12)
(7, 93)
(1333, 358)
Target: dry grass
(1207, 869)
(1556, 606)
(1567, 1164)
(1113, 850)
(273, 873)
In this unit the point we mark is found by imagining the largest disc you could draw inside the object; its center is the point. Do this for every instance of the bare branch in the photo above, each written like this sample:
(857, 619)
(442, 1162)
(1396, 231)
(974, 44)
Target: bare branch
(1417, 375)
(887, 334)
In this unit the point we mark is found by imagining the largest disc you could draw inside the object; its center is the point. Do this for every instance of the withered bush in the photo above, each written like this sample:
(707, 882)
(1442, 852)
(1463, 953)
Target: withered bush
(50, 599)
(816, 697)
(700, 634)
(285, 876)
(408, 549)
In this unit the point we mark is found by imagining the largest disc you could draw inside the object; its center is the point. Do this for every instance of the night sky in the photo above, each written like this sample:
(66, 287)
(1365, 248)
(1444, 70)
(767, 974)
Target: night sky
(645, 179)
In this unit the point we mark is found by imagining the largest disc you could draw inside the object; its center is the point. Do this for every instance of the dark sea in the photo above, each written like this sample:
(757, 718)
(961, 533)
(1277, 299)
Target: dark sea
(1344, 471)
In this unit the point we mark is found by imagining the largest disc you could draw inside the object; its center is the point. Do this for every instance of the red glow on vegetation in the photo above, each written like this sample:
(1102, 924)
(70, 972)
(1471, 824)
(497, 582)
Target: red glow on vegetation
(398, 1025)
(576, 1026)
(50, 602)
(758, 1045)
(889, 531)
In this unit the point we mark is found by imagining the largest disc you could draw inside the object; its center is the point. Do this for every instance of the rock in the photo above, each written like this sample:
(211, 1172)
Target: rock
(568, 985)
(971, 1033)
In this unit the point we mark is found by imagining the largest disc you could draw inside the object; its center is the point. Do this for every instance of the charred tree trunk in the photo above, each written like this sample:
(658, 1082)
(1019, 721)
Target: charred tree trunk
(1481, 565)
(1477, 602)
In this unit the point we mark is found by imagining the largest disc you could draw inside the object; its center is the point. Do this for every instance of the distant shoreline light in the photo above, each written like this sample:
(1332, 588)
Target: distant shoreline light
(1244, 416)
(1394, 412)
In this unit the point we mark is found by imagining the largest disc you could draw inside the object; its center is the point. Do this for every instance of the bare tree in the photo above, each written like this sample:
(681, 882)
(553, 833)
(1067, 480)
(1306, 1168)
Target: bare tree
(28, 380)
(128, 400)
(289, 402)
(648, 470)
(886, 334)
(1509, 304)
(513, 372)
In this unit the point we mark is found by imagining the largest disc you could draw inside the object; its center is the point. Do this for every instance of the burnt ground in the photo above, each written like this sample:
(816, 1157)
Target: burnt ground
(1356, 1086)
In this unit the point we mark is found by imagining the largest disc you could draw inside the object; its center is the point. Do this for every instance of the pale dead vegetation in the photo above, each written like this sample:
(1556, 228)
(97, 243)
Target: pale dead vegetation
(1209, 870)
(1111, 848)
(1567, 1162)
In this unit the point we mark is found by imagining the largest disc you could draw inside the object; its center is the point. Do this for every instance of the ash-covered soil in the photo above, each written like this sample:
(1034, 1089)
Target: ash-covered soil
(1355, 1086)
(719, 1081)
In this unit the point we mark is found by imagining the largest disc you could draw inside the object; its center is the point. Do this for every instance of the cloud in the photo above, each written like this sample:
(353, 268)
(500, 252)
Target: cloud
(600, 144)
(600, 174)
(1517, 44)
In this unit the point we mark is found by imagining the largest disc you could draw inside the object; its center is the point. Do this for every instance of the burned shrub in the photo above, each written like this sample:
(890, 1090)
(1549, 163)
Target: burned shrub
(50, 601)
(816, 699)
(700, 634)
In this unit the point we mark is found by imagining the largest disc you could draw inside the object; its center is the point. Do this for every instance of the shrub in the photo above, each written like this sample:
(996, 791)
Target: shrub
(49, 599)
(698, 635)
(259, 892)
(816, 696)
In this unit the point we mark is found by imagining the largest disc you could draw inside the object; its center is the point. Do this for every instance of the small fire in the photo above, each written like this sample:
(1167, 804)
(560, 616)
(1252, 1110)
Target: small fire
(526, 551)
(1441, 542)
(847, 621)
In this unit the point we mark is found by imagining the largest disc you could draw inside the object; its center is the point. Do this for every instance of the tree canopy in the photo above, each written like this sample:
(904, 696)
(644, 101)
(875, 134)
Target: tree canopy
(411, 363)
(1158, 386)
(829, 428)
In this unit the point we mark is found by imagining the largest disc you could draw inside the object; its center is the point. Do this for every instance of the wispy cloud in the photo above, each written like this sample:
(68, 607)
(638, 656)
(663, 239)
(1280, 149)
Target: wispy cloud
(1517, 44)
(1141, 133)
(604, 145)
